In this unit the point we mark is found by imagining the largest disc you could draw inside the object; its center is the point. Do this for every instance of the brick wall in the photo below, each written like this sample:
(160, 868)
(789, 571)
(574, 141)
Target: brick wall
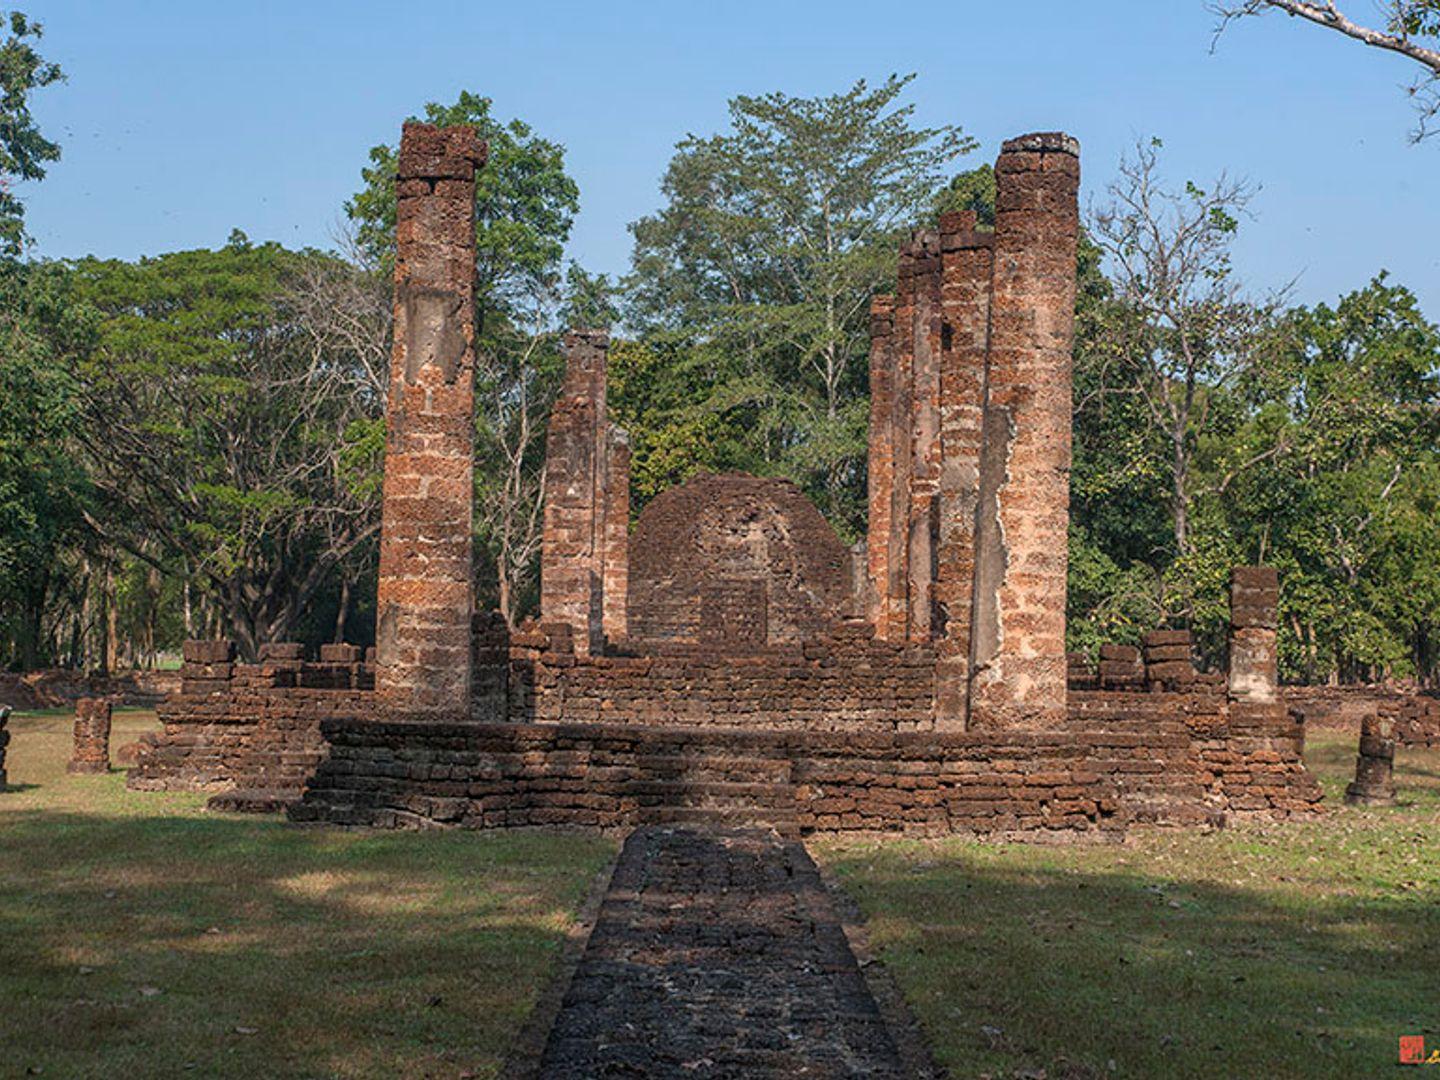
(725, 537)
(841, 681)
(249, 726)
(1071, 784)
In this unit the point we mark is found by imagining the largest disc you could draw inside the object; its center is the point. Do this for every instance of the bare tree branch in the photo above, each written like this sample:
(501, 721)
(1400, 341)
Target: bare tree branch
(1406, 21)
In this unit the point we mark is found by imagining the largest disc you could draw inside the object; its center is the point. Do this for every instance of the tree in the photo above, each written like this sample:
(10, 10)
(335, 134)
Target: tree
(774, 236)
(24, 152)
(1182, 330)
(525, 204)
(43, 492)
(220, 429)
(1411, 28)
(1351, 393)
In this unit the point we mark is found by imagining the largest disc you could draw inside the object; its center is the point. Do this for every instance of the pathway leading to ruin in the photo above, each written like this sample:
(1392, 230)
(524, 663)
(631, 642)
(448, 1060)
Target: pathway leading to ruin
(718, 955)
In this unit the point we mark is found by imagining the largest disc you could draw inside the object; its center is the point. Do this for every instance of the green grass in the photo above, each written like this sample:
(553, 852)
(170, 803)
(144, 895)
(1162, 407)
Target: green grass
(1282, 950)
(142, 936)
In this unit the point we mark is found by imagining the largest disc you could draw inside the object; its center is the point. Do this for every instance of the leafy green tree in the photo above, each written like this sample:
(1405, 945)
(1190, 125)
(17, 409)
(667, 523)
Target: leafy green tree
(24, 151)
(525, 204)
(43, 492)
(1349, 396)
(215, 429)
(773, 237)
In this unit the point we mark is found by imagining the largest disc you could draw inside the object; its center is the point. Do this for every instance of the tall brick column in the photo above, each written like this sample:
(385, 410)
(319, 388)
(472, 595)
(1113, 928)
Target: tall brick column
(1018, 632)
(426, 599)
(881, 471)
(924, 432)
(584, 561)
(615, 572)
(966, 263)
(895, 610)
(1254, 600)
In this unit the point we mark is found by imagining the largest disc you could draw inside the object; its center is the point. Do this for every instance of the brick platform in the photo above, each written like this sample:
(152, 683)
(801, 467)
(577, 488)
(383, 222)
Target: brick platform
(718, 955)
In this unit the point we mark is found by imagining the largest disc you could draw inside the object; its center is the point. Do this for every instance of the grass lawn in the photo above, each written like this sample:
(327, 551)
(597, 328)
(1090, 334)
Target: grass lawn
(141, 936)
(1298, 950)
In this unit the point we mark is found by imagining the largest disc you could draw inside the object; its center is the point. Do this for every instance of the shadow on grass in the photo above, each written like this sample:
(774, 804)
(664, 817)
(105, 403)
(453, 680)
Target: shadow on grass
(218, 946)
(1073, 963)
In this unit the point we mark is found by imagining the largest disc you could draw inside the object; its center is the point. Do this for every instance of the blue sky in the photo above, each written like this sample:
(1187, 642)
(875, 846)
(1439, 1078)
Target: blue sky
(181, 121)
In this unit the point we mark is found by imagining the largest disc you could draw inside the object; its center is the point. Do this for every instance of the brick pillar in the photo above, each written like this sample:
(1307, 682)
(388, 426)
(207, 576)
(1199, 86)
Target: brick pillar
(4, 741)
(587, 502)
(966, 258)
(426, 599)
(92, 737)
(615, 577)
(1254, 600)
(924, 436)
(881, 472)
(1018, 630)
(1374, 783)
(895, 610)
(1169, 659)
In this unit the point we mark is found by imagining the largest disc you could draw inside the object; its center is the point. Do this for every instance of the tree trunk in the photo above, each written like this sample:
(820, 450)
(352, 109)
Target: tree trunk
(344, 605)
(109, 657)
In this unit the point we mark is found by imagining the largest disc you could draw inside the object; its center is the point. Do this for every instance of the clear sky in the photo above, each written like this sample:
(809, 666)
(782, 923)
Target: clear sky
(183, 120)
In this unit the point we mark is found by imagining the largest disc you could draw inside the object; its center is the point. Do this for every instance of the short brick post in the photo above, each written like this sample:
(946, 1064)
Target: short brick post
(1254, 599)
(208, 666)
(1374, 765)
(1169, 659)
(4, 741)
(92, 737)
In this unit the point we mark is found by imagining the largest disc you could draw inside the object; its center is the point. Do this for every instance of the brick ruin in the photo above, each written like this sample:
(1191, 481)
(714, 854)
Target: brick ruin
(729, 658)
(91, 750)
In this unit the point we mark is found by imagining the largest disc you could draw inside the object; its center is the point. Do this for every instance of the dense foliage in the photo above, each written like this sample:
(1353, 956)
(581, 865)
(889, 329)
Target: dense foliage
(191, 443)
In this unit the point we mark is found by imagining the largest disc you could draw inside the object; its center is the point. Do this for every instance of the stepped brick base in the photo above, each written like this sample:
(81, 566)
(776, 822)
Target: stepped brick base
(1080, 783)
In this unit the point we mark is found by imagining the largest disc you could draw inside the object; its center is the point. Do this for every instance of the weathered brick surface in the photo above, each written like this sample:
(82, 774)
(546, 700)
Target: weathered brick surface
(425, 597)
(1166, 759)
(249, 726)
(1374, 783)
(724, 530)
(1254, 602)
(881, 460)
(718, 955)
(584, 564)
(841, 682)
(1018, 652)
(91, 752)
(966, 268)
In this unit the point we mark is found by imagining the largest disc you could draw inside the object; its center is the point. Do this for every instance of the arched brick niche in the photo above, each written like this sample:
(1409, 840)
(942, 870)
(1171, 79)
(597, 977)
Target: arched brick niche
(736, 561)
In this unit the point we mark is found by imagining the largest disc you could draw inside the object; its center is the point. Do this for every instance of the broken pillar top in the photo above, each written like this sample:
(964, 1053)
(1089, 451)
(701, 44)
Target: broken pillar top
(1043, 142)
(578, 337)
(960, 230)
(428, 152)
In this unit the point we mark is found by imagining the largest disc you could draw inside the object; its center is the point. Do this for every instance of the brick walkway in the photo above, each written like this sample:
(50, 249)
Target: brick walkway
(718, 954)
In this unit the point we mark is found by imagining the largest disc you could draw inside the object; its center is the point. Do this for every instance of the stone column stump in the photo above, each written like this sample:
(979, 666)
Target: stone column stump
(4, 741)
(92, 737)
(1375, 765)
